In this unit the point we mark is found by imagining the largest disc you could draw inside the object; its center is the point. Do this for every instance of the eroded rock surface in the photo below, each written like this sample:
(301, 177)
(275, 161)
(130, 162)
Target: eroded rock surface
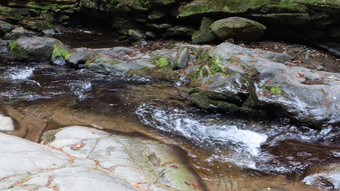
(89, 159)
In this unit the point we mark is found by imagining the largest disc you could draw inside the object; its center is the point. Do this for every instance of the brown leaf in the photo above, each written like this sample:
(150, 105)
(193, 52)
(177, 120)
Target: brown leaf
(197, 186)
(78, 146)
(174, 166)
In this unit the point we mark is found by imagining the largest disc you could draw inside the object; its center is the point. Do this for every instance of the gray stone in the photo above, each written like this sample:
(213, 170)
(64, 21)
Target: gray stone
(18, 32)
(33, 48)
(3, 46)
(178, 30)
(5, 27)
(204, 35)
(48, 31)
(80, 55)
(238, 28)
(183, 59)
(304, 95)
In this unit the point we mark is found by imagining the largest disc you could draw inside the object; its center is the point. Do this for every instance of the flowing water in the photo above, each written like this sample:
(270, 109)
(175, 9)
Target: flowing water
(227, 152)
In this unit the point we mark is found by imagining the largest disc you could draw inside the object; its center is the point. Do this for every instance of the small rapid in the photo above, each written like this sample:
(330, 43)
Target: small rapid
(264, 147)
(243, 145)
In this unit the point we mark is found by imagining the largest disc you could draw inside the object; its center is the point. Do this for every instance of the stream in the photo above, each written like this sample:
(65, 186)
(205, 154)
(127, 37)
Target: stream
(222, 149)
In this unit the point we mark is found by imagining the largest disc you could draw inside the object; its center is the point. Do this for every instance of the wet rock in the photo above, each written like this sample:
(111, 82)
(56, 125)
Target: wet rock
(5, 27)
(79, 56)
(6, 123)
(34, 48)
(3, 46)
(183, 59)
(250, 78)
(333, 48)
(18, 32)
(48, 31)
(324, 176)
(89, 159)
(118, 60)
(204, 35)
(238, 28)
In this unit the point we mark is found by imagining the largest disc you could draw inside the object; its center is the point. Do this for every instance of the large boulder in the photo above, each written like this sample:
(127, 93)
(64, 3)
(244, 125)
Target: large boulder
(244, 80)
(36, 48)
(238, 28)
(81, 158)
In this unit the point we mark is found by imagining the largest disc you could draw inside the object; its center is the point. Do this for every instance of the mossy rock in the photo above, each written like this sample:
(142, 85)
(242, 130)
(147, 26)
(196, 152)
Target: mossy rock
(59, 49)
(17, 51)
(204, 35)
(238, 28)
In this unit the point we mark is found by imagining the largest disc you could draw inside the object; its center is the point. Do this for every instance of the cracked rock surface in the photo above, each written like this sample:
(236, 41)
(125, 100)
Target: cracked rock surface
(82, 158)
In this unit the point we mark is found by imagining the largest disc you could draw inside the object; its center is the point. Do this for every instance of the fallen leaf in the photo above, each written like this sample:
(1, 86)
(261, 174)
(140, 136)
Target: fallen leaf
(136, 185)
(197, 186)
(285, 52)
(314, 55)
(174, 166)
(298, 61)
(78, 146)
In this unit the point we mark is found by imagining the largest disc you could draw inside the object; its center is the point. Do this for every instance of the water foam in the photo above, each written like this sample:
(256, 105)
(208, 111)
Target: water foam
(244, 145)
(18, 73)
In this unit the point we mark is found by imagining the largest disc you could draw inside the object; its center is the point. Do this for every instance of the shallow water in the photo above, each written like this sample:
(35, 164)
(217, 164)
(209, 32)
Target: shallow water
(220, 148)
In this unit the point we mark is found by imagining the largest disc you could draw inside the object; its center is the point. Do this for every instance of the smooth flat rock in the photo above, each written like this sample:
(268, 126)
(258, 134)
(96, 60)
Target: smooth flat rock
(81, 158)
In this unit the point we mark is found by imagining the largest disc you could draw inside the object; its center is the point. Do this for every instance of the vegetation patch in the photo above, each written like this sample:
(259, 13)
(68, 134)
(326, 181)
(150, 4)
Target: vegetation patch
(162, 62)
(160, 73)
(60, 50)
(17, 51)
(273, 89)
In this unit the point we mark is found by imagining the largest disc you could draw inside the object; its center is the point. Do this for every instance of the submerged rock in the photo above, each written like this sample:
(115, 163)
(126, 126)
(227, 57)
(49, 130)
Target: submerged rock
(324, 176)
(238, 28)
(89, 159)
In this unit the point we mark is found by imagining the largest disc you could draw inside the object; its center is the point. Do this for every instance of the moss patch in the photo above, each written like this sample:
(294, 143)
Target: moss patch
(162, 62)
(273, 89)
(60, 50)
(17, 51)
(159, 73)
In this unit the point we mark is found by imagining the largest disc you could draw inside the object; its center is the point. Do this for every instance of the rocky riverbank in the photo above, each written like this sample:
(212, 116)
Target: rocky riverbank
(169, 95)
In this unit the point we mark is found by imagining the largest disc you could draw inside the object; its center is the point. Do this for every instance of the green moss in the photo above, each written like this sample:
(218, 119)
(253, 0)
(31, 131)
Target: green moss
(162, 62)
(17, 51)
(273, 89)
(215, 66)
(158, 73)
(192, 10)
(49, 136)
(60, 50)
(203, 99)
